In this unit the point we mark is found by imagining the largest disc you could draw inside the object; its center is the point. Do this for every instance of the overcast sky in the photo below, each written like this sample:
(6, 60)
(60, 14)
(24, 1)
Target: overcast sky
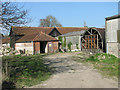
(71, 14)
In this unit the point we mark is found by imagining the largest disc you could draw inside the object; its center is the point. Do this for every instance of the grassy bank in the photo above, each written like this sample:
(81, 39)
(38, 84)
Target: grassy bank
(107, 64)
(24, 70)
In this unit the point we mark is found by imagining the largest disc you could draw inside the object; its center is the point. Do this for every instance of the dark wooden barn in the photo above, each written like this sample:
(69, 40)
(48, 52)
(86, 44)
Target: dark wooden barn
(94, 38)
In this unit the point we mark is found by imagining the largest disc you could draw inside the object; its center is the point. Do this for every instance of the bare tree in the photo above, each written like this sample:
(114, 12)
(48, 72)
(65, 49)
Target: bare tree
(49, 21)
(12, 15)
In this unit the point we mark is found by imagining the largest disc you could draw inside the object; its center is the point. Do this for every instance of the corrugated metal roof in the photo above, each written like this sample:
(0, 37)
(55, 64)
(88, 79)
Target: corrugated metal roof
(74, 33)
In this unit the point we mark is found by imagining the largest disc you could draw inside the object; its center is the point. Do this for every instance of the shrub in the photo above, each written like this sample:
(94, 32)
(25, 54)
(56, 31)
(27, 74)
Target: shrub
(64, 42)
(60, 38)
(69, 45)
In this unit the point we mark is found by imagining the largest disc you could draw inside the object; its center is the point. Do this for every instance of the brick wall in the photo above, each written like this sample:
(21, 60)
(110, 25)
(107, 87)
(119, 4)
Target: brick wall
(36, 47)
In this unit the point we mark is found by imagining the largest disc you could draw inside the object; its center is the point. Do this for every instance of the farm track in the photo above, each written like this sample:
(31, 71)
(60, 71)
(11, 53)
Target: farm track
(68, 73)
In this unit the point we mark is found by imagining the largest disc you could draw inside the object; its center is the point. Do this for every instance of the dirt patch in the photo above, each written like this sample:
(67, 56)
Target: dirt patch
(67, 73)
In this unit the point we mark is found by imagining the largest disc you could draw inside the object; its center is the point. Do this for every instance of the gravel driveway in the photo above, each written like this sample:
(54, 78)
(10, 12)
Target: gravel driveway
(67, 73)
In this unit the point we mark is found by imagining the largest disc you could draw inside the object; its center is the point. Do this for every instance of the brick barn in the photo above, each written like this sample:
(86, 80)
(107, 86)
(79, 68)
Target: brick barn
(31, 41)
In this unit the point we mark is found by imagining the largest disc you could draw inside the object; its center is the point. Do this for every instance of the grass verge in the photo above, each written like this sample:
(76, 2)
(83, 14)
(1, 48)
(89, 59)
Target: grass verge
(106, 64)
(25, 70)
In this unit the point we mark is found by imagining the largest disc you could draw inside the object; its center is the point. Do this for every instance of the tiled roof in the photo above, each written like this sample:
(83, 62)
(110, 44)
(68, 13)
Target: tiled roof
(46, 30)
(31, 30)
(44, 37)
(36, 37)
(101, 31)
(42, 33)
(6, 40)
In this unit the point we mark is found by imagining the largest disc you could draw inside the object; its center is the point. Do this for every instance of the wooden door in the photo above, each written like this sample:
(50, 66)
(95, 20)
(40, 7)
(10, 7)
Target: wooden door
(91, 41)
(50, 47)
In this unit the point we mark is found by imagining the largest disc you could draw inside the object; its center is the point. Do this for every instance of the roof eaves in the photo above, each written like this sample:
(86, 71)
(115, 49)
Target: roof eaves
(112, 17)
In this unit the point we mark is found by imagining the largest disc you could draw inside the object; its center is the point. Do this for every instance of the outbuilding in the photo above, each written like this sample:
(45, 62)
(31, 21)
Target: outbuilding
(92, 39)
(113, 35)
(32, 41)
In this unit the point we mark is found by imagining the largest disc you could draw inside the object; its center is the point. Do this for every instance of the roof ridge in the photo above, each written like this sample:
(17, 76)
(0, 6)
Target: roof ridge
(44, 34)
(31, 27)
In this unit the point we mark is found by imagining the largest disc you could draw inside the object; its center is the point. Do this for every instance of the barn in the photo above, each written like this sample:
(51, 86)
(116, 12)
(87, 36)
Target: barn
(91, 39)
(34, 40)
(113, 35)
(94, 39)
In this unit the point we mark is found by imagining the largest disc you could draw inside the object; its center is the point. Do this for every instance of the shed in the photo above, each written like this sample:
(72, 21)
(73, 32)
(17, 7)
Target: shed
(74, 38)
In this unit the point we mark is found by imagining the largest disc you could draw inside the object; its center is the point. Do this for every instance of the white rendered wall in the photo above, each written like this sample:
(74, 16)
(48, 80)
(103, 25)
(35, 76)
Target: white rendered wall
(111, 30)
(28, 46)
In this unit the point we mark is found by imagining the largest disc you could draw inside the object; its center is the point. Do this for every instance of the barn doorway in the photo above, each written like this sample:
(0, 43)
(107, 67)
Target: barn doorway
(43, 46)
(92, 40)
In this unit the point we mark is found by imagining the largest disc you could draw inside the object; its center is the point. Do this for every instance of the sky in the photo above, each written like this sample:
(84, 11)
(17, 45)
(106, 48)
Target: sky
(72, 14)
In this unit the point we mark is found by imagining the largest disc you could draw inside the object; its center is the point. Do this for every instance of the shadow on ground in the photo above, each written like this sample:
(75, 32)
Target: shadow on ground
(8, 85)
(59, 65)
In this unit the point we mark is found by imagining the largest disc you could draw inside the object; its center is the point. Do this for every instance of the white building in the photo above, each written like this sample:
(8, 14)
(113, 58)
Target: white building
(113, 35)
